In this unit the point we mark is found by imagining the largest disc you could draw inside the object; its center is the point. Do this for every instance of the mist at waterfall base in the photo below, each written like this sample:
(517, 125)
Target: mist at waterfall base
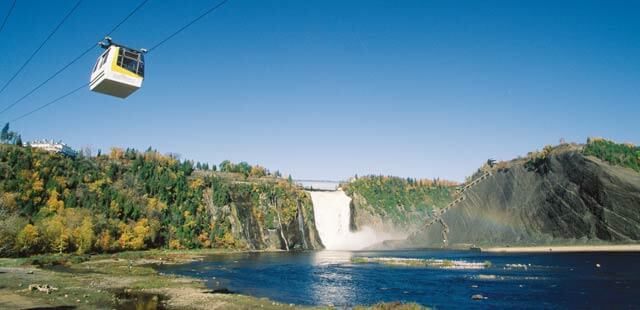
(332, 218)
(323, 278)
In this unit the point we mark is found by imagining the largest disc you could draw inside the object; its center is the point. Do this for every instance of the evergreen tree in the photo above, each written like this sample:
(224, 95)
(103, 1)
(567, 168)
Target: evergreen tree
(19, 140)
(225, 166)
(244, 168)
(4, 136)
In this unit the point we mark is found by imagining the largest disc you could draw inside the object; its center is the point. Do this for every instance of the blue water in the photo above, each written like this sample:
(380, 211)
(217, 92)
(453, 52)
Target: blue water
(569, 280)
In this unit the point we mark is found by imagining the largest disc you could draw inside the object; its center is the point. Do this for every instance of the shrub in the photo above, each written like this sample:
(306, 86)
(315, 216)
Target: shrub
(28, 240)
(624, 155)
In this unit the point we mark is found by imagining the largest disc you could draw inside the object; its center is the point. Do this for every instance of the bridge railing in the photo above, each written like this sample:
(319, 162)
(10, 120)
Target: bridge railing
(319, 185)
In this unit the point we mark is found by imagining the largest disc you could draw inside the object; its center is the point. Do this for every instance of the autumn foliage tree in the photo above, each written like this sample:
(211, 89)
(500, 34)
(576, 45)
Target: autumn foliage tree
(126, 200)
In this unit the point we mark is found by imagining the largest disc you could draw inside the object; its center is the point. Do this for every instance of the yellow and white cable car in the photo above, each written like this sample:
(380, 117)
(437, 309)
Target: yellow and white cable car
(119, 71)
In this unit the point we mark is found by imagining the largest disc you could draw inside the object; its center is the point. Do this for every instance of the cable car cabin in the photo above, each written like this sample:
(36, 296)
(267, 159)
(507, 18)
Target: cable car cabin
(118, 72)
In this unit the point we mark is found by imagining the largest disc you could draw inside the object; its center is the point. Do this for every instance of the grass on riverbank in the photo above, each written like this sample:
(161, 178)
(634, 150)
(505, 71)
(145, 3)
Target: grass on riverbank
(113, 281)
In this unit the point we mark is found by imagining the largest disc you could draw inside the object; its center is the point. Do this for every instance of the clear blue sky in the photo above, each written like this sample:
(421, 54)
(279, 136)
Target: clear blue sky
(327, 89)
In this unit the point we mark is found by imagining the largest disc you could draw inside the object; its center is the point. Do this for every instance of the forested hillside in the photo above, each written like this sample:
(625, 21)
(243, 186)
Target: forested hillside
(136, 200)
(395, 204)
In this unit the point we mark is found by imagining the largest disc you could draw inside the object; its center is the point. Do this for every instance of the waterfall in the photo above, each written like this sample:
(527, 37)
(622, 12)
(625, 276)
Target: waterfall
(332, 217)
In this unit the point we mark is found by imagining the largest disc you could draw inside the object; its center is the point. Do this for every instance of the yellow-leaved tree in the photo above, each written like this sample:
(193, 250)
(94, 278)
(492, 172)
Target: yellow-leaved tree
(136, 235)
(84, 235)
(104, 242)
(67, 230)
(53, 203)
(28, 240)
(141, 232)
(116, 153)
(57, 236)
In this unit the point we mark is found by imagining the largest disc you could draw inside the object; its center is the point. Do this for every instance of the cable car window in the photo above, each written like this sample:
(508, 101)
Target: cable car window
(129, 64)
(141, 65)
(130, 61)
(131, 55)
(101, 60)
(141, 69)
(95, 67)
(104, 58)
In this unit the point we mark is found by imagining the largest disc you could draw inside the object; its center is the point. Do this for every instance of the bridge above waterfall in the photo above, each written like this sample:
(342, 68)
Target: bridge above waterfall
(319, 185)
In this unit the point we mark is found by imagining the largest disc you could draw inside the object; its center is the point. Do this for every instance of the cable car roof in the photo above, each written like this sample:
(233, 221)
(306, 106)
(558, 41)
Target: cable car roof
(108, 41)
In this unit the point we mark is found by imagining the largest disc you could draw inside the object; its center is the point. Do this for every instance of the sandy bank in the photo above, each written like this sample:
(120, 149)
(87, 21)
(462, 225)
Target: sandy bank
(566, 249)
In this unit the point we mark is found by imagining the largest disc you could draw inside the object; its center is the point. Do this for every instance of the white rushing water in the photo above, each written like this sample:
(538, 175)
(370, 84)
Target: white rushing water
(332, 217)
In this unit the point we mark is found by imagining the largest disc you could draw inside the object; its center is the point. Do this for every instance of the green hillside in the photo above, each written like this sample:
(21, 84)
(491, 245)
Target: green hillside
(619, 154)
(401, 199)
(129, 200)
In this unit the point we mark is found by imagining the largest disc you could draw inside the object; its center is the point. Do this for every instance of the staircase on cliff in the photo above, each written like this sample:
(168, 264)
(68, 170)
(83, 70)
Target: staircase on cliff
(437, 216)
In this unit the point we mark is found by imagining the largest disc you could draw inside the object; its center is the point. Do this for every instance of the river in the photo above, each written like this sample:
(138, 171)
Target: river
(550, 280)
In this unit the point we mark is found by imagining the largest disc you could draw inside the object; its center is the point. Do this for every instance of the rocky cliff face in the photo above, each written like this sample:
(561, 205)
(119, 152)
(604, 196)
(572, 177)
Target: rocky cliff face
(267, 222)
(565, 198)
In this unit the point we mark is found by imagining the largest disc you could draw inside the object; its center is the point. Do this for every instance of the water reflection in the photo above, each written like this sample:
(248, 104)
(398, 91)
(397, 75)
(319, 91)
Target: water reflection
(332, 284)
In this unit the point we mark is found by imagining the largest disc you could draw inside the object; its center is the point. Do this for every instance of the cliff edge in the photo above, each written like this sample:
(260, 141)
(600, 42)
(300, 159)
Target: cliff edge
(564, 196)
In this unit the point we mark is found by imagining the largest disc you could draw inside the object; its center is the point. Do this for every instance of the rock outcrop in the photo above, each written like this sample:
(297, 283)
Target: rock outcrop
(564, 198)
(267, 223)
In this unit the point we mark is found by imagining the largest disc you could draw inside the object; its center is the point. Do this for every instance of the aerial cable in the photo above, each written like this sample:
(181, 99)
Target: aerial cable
(41, 45)
(207, 12)
(47, 80)
(215, 7)
(4, 22)
(49, 103)
(74, 60)
(127, 17)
